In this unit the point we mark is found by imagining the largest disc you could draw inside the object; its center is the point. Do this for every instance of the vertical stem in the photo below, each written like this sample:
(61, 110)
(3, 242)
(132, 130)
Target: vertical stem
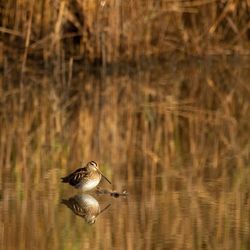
(103, 53)
(25, 55)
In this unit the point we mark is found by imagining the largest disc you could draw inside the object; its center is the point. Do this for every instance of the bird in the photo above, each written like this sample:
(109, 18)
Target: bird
(85, 206)
(85, 178)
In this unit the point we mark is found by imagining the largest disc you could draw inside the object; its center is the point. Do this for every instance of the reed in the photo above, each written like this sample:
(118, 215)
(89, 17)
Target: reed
(175, 126)
(109, 32)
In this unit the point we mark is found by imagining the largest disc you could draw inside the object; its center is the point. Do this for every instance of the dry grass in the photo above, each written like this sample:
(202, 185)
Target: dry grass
(175, 135)
(113, 31)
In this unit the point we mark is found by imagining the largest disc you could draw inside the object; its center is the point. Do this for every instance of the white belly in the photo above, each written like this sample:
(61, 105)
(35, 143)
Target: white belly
(88, 185)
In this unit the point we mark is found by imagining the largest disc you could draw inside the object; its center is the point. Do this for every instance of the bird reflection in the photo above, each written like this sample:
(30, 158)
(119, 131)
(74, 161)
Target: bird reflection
(85, 206)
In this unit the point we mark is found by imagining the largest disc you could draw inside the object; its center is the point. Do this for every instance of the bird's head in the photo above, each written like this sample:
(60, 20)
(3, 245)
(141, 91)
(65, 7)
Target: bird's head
(92, 166)
(90, 219)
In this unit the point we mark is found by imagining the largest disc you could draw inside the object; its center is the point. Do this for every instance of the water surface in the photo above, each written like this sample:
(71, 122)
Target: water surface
(175, 137)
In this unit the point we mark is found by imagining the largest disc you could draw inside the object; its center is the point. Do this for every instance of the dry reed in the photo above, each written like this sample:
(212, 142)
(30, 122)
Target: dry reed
(174, 126)
(113, 31)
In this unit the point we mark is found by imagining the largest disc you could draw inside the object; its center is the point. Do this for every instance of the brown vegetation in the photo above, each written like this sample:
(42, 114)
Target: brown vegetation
(175, 135)
(113, 31)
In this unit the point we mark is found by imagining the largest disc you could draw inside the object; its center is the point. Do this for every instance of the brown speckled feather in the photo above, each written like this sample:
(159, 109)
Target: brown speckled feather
(76, 177)
(84, 206)
(85, 178)
(73, 204)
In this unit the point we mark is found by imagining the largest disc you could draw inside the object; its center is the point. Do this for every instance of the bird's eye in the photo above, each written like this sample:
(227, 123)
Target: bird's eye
(93, 163)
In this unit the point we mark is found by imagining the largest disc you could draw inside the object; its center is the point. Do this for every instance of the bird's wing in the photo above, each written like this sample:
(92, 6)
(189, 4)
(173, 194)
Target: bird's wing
(75, 177)
(75, 207)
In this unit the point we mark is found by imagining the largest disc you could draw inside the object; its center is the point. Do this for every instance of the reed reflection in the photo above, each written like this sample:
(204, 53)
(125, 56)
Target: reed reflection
(85, 206)
(177, 140)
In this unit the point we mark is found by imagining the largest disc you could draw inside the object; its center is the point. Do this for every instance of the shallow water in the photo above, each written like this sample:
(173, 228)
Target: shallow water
(176, 139)
(183, 213)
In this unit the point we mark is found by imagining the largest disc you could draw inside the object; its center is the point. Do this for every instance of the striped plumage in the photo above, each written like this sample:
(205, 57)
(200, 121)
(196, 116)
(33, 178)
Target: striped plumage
(85, 206)
(85, 178)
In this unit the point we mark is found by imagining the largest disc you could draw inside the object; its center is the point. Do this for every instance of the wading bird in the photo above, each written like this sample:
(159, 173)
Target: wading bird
(85, 178)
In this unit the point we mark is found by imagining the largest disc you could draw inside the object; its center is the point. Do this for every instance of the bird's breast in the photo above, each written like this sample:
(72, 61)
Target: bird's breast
(89, 184)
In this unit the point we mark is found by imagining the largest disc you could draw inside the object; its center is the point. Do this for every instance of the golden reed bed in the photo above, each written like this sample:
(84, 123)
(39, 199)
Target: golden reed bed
(175, 136)
(103, 32)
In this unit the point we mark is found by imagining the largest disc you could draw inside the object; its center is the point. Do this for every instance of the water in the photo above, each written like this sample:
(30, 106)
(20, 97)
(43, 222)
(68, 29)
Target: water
(185, 213)
(177, 139)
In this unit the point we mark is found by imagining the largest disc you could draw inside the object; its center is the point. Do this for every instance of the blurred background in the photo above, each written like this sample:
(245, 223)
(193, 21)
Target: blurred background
(156, 91)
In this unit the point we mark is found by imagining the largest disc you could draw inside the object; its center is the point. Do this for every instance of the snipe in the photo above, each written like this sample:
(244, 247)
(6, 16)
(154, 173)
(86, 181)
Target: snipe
(85, 178)
(85, 206)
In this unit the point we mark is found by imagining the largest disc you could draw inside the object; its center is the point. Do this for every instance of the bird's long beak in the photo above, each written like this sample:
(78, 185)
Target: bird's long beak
(104, 176)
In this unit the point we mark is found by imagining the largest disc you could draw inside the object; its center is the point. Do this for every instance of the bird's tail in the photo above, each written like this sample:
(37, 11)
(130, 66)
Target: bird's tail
(64, 179)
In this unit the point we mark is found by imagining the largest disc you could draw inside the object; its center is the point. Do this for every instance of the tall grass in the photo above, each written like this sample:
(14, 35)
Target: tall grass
(112, 31)
(175, 126)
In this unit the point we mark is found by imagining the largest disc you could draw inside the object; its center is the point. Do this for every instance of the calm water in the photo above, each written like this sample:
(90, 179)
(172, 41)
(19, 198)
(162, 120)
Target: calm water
(176, 138)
